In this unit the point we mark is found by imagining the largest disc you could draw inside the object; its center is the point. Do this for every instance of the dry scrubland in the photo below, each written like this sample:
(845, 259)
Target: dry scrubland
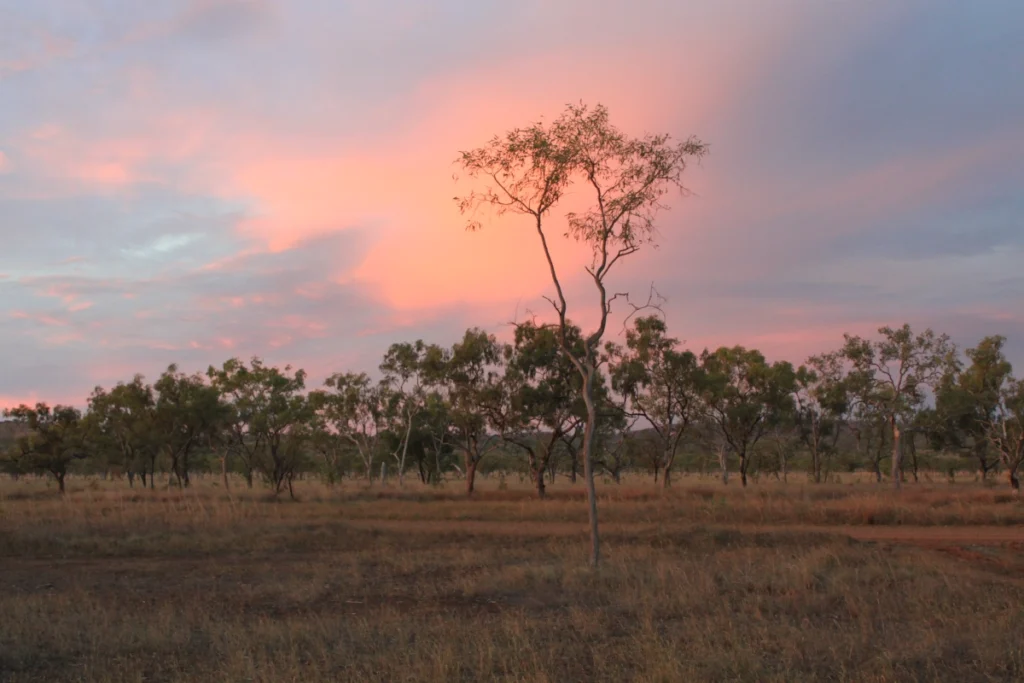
(773, 583)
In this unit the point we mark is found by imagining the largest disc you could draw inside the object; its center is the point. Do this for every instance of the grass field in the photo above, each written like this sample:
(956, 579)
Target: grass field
(774, 583)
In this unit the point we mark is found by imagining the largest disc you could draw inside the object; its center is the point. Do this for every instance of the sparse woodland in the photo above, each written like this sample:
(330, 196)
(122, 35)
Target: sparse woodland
(895, 405)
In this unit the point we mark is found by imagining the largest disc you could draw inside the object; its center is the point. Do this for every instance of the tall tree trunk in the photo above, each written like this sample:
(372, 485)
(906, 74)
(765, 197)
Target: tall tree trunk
(744, 462)
(539, 477)
(248, 477)
(588, 464)
(224, 472)
(400, 462)
(897, 453)
(912, 447)
(815, 451)
(877, 462)
(470, 474)
(60, 481)
(1014, 480)
(723, 463)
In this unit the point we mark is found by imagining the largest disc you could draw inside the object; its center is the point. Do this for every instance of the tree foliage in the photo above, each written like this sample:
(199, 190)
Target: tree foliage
(660, 383)
(58, 437)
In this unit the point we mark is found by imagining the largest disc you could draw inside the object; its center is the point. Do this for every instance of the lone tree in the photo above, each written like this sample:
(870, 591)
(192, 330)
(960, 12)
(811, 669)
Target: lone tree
(527, 172)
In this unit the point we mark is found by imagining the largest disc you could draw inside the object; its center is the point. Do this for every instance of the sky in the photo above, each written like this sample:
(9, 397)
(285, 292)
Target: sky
(191, 180)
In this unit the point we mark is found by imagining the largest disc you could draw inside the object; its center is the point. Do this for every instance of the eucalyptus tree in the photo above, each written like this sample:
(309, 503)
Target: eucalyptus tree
(1006, 430)
(616, 446)
(324, 439)
(895, 370)
(662, 385)
(431, 440)
(984, 404)
(351, 407)
(783, 442)
(244, 390)
(823, 405)
(745, 397)
(541, 396)
(280, 418)
(403, 390)
(188, 411)
(966, 402)
(56, 437)
(126, 416)
(469, 374)
(527, 172)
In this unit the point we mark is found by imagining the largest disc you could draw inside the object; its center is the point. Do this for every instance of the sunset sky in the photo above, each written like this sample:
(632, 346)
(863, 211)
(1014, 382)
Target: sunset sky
(190, 180)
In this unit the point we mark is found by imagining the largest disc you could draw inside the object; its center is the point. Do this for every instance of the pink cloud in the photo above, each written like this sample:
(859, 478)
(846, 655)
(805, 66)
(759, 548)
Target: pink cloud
(70, 160)
(63, 339)
(47, 131)
(50, 47)
(40, 318)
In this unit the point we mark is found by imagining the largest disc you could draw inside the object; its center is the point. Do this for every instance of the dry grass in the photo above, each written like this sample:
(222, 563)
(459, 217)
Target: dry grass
(699, 584)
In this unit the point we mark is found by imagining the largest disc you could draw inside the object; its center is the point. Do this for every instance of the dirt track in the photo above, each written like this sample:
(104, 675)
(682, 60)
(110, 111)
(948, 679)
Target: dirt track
(916, 535)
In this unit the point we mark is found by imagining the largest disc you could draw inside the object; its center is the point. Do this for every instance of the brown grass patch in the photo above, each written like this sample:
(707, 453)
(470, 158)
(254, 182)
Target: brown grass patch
(700, 583)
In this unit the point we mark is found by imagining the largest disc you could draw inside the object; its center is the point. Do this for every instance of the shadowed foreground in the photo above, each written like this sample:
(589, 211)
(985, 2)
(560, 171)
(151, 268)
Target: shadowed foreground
(116, 586)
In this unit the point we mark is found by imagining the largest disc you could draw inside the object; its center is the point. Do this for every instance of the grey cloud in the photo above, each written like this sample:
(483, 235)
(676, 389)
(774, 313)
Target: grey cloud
(144, 229)
(188, 317)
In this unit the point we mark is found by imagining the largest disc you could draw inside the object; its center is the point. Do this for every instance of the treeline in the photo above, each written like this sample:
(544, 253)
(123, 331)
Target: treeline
(437, 412)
